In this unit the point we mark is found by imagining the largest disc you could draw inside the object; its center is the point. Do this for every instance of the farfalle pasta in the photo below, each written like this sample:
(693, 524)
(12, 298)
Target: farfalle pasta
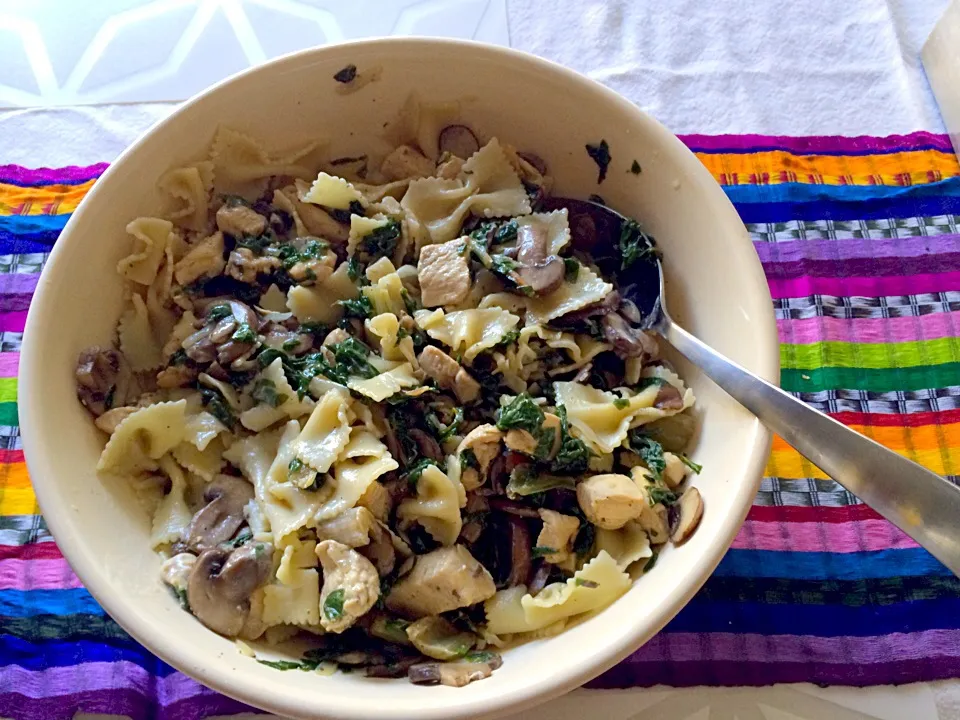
(391, 405)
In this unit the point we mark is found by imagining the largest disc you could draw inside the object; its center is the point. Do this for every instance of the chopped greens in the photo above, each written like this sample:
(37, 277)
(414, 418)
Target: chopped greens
(479, 656)
(265, 391)
(444, 432)
(662, 495)
(355, 270)
(522, 413)
(573, 457)
(333, 605)
(621, 403)
(696, 467)
(524, 481)
(509, 338)
(635, 245)
(381, 241)
(590, 584)
(600, 154)
(360, 308)
(495, 232)
(217, 406)
(540, 551)
(650, 451)
(244, 334)
(295, 465)
(635, 168)
(346, 75)
(412, 475)
(585, 537)
(242, 537)
(285, 664)
(468, 459)
(181, 595)
(351, 359)
(219, 312)
(571, 269)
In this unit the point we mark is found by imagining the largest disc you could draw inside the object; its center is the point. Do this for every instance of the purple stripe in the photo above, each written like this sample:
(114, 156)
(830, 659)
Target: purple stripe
(632, 674)
(136, 704)
(847, 249)
(819, 145)
(19, 283)
(174, 696)
(687, 647)
(861, 286)
(865, 267)
(71, 175)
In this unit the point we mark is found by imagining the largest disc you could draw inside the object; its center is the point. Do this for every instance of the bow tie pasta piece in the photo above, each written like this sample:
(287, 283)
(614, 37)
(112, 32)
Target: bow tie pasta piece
(143, 438)
(499, 191)
(150, 237)
(386, 384)
(333, 192)
(587, 289)
(326, 433)
(386, 327)
(625, 545)
(467, 331)
(594, 415)
(137, 341)
(319, 303)
(436, 506)
(188, 191)
(435, 209)
(354, 474)
(276, 399)
(555, 225)
(172, 515)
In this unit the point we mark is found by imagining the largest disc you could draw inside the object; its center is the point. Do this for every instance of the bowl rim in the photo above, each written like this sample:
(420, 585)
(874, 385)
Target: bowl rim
(216, 676)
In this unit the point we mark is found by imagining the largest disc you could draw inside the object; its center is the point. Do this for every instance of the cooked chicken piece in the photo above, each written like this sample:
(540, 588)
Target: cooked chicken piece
(111, 418)
(609, 501)
(351, 585)
(521, 441)
(444, 274)
(352, 528)
(315, 270)
(239, 220)
(675, 471)
(484, 440)
(653, 516)
(442, 580)
(406, 162)
(448, 373)
(247, 267)
(205, 259)
(335, 337)
(558, 532)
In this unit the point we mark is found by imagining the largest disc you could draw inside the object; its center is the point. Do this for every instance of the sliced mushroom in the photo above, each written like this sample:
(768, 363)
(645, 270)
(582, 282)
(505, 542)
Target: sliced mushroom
(97, 372)
(540, 577)
(454, 674)
(685, 516)
(668, 398)
(542, 273)
(628, 342)
(429, 447)
(520, 557)
(458, 140)
(221, 582)
(535, 160)
(396, 669)
(218, 520)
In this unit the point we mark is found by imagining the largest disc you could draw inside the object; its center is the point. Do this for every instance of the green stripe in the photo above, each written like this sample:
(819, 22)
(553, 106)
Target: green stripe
(888, 380)
(849, 593)
(64, 628)
(8, 414)
(872, 356)
(8, 390)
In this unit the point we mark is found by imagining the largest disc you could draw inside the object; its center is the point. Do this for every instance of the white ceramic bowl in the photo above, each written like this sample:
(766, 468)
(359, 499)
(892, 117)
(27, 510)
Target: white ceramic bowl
(716, 288)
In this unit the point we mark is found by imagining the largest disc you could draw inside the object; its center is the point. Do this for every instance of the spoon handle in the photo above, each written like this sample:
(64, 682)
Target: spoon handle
(922, 504)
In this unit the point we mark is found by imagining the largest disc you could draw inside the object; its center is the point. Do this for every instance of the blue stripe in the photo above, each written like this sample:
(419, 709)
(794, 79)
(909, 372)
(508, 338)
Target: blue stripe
(43, 229)
(820, 620)
(27, 603)
(53, 653)
(912, 562)
(808, 193)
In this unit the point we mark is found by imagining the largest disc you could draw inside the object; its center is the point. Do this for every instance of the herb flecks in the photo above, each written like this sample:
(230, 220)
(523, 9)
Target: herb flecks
(346, 75)
(635, 245)
(600, 154)
(635, 168)
(333, 605)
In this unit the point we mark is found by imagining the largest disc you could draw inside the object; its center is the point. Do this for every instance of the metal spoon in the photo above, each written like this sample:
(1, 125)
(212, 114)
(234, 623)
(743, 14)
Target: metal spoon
(922, 504)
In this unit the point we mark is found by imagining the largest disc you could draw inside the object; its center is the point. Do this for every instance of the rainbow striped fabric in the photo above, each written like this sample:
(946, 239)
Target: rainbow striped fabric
(859, 240)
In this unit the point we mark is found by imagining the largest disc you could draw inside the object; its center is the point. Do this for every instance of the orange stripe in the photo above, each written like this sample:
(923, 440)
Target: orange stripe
(778, 166)
(14, 477)
(923, 437)
(44, 200)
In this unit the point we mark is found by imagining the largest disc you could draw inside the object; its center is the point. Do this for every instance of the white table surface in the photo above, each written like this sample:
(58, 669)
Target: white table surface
(82, 80)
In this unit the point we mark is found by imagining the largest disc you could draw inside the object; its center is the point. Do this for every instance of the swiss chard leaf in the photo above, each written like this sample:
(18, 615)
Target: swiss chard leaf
(333, 605)
(635, 245)
(650, 451)
(573, 457)
(522, 413)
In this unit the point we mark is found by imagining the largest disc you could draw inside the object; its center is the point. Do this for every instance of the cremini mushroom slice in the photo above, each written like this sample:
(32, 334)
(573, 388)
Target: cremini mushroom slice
(218, 520)
(221, 582)
(685, 515)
